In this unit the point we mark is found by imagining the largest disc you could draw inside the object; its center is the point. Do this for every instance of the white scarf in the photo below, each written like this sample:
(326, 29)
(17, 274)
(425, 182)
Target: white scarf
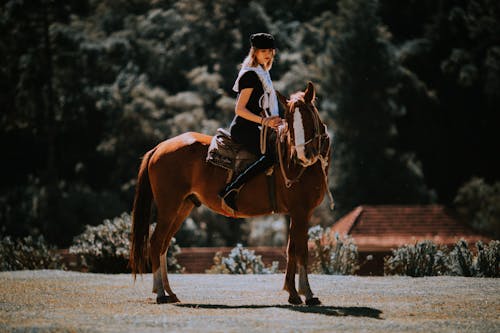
(268, 101)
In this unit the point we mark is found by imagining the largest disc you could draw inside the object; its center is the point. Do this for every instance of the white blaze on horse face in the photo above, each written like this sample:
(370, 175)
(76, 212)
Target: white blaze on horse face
(298, 132)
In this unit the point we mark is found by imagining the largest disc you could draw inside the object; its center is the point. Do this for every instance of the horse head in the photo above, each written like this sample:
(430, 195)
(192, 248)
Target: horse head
(306, 133)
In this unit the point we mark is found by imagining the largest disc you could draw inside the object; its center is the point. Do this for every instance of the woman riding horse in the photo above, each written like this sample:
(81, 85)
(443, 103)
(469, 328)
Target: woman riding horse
(303, 151)
(257, 105)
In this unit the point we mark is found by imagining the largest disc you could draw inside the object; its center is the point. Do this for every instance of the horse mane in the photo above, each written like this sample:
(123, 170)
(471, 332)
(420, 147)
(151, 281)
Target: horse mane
(296, 97)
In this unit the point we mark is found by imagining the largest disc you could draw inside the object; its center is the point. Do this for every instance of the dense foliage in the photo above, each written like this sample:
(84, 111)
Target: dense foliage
(28, 253)
(106, 248)
(333, 254)
(479, 205)
(409, 91)
(428, 259)
(422, 259)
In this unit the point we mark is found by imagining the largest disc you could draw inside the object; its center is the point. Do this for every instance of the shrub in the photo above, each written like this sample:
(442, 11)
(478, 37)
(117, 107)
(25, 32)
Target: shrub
(106, 248)
(28, 253)
(484, 264)
(241, 261)
(422, 259)
(488, 259)
(428, 259)
(333, 255)
(461, 260)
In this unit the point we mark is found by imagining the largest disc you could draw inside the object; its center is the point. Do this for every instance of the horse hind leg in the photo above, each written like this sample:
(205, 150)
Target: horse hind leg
(161, 283)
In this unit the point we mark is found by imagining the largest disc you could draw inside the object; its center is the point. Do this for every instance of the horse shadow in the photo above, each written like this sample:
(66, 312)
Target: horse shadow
(336, 311)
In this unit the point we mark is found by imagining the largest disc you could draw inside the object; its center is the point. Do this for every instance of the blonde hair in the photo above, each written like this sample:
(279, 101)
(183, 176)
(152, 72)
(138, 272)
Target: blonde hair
(251, 60)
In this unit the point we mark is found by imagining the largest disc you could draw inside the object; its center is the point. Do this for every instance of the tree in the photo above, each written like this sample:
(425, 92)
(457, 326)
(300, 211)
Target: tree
(479, 205)
(368, 167)
(457, 58)
(34, 109)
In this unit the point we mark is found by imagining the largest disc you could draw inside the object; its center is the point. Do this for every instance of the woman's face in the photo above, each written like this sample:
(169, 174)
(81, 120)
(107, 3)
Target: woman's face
(264, 55)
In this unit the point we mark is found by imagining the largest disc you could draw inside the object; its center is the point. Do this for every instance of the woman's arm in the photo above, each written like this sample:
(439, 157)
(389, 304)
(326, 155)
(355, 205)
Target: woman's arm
(243, 112)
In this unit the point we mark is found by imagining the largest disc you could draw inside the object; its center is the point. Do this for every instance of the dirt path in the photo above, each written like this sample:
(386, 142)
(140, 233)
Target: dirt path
(48, 301)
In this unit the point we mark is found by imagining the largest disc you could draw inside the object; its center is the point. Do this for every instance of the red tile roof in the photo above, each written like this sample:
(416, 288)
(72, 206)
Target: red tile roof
(390, 226)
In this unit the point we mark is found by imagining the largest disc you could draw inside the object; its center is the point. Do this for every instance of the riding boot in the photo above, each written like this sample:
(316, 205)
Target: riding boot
(230, 192)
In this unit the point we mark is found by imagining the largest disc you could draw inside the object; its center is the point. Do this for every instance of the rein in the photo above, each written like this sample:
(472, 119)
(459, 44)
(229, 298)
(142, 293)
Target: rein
(283, 131)
(263, 135)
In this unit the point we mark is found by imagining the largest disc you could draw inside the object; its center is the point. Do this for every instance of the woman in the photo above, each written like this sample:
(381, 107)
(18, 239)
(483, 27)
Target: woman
(257, 105)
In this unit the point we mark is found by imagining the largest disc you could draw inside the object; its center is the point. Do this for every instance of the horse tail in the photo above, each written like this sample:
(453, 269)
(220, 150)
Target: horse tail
(141, 215)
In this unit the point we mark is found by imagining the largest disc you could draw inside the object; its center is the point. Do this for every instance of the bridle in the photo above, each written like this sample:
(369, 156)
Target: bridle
(318, 138)
(284, 135)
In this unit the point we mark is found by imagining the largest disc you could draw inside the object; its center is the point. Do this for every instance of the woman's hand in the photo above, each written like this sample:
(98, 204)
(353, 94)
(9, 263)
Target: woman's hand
(242, 111)
(274, 121)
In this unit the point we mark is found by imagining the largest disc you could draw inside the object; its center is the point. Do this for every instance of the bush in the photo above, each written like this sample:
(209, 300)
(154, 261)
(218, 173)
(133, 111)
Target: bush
(461, 260)
(422, 259)
(333, 255)
(241, 261)
(427, 259)
(106, 248)
(487, 263)
(484, 264)
(28, 253)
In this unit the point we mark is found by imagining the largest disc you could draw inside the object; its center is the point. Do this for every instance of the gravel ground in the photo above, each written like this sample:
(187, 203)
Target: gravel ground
(58, 301)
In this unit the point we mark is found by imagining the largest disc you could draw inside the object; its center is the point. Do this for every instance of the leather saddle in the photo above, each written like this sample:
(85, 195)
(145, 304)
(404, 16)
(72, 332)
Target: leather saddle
(227, 154)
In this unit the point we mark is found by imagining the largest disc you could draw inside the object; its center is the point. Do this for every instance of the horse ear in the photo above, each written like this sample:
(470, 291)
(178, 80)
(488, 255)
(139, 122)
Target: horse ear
(282, 99)
(310, 93)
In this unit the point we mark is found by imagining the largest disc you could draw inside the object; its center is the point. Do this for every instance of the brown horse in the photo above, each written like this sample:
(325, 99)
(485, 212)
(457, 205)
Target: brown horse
(175, 176)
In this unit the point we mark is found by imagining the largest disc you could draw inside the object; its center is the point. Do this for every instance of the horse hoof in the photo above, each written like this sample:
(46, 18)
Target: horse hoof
(313, 301)
(295, 300)
(167, 299)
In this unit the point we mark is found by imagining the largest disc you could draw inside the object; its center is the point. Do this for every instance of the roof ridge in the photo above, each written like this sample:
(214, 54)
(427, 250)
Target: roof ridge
(357, 213)
(392, 225)
(398, 206)
(345, 224)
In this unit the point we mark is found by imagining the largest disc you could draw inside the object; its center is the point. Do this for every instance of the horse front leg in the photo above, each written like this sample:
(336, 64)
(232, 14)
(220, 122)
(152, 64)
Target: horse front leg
(302, 254)
(291, 267)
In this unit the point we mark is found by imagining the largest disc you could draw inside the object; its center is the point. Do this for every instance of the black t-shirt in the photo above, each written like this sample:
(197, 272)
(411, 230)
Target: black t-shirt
(242, 130)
